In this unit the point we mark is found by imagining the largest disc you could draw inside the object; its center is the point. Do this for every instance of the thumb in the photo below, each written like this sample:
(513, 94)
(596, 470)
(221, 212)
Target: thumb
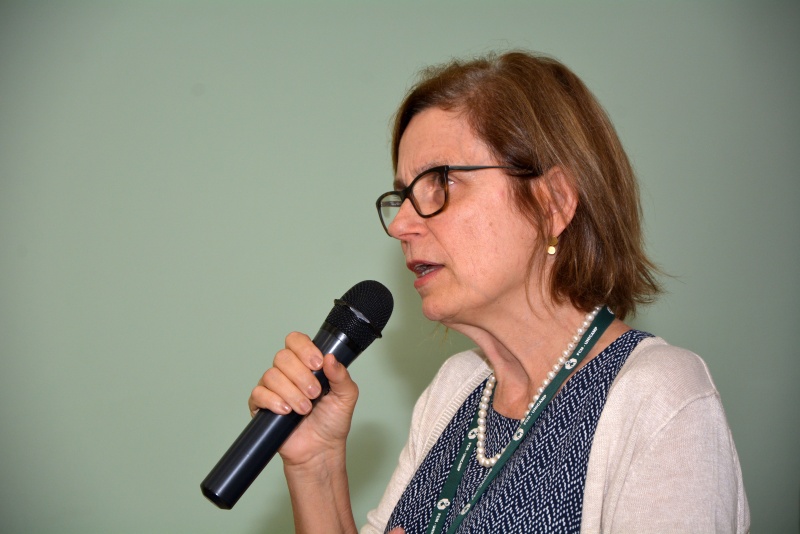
(339, 379)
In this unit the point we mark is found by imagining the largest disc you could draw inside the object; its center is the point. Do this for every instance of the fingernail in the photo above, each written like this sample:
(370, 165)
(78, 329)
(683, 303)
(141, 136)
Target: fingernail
(286, 408)
(306, 406)
(316, 362)
(314, 390)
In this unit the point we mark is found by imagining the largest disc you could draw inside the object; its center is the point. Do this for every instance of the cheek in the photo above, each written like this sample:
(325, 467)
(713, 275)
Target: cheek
(485, 239)
(505, 250)
(477, 248)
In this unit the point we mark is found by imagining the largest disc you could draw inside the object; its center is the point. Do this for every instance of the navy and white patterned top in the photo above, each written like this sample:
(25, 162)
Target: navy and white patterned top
(540, 489)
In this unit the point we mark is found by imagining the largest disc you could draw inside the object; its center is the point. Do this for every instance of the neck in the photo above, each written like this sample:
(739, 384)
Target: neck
(523, 349)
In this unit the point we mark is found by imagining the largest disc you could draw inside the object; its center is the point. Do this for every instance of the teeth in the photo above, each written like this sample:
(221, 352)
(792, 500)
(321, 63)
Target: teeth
(423, 269)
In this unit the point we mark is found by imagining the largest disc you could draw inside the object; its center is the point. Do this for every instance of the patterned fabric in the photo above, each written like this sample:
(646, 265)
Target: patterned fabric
(541, 487)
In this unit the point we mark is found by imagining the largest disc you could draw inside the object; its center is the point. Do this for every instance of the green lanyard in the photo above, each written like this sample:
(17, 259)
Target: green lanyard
(440, 508)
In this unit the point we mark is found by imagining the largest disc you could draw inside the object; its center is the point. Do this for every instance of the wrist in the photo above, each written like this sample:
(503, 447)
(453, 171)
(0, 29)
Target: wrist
(319, 466)
(320, 495)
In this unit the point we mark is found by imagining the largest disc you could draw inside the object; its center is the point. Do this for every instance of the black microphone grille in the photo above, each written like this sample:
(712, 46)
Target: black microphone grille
(369, 299)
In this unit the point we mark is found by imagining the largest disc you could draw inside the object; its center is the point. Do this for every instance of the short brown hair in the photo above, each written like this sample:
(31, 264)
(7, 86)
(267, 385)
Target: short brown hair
(535, 114)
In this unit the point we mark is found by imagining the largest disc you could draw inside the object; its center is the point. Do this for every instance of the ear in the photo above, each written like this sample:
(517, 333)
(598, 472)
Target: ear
(559, 196)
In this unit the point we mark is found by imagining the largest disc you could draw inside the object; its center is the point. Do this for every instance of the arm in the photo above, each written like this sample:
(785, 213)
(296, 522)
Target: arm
(687, 478)
(320, 494)
(314, 455)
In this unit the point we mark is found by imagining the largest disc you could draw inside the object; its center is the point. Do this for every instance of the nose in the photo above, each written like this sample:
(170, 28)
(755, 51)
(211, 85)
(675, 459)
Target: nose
(407, 221)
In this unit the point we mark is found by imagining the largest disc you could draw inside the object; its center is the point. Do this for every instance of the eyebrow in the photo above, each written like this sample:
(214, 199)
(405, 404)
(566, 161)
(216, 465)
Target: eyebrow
(398, 184)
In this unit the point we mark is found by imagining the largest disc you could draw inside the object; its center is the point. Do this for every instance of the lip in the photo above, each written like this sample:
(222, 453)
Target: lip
(424, 271)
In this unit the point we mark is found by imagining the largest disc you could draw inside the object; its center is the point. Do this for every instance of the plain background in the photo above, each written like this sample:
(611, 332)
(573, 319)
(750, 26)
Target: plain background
(183, 183)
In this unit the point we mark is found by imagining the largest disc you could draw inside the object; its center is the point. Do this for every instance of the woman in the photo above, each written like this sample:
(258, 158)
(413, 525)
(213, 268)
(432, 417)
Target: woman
(517, 210)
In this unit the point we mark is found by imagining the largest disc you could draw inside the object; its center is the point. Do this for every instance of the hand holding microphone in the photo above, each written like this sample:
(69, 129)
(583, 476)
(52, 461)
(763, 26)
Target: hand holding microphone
(354, 322)
(291, 383)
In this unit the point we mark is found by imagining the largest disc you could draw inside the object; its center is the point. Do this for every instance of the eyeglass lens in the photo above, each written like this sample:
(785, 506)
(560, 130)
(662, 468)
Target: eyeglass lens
(427, 194)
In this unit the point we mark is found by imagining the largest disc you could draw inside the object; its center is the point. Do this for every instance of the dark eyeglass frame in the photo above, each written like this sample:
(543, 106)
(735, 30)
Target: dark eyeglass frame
(406, 193)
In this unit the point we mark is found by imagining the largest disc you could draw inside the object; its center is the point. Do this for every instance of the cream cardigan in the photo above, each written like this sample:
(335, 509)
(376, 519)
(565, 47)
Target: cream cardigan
(662, 459)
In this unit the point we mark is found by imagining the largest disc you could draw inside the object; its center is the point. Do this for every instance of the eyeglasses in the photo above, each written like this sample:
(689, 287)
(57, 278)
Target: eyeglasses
(428, 193)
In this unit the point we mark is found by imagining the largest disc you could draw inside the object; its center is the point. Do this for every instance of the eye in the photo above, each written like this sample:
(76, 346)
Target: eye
(430, 182)
(440, 179)
(437, 178)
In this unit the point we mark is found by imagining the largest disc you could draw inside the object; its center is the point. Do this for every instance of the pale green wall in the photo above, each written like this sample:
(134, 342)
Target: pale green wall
(183, 183)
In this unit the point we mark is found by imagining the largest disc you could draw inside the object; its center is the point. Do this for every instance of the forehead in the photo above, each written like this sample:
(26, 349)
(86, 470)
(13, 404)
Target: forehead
(438, 137)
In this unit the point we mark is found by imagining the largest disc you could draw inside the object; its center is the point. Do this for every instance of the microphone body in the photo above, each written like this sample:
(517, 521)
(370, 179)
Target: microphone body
(266, 432)
(345, 333)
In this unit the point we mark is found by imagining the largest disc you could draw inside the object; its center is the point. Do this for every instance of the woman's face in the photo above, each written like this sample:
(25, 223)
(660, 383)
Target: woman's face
(471, 260)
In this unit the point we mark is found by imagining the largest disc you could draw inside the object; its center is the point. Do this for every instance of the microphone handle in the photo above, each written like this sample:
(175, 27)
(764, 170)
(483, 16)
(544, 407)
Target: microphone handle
(266, 432)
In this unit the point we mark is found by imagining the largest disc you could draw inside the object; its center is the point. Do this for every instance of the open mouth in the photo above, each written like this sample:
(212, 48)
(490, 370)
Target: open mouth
(424, 268)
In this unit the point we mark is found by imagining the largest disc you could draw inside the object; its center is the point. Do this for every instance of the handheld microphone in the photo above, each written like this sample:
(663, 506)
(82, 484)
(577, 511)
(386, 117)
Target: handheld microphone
(351, 326)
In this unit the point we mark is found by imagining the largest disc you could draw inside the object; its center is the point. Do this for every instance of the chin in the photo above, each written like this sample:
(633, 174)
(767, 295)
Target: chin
(436, 311)
(429, 309)
(431, 315)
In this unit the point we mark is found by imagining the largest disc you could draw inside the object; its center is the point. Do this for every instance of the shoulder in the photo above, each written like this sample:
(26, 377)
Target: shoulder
(657, 382)
(663, 422)
(658, 385)
(657, 370)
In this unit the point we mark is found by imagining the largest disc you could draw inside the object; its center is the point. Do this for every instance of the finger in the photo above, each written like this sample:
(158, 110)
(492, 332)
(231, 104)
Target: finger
(304, 348)
(276, 381)
(263, 398)
(398, 530)
(296, 371)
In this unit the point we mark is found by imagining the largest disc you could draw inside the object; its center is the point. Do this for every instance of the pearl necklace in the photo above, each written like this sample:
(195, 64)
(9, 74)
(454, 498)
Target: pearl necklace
(486, 398)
